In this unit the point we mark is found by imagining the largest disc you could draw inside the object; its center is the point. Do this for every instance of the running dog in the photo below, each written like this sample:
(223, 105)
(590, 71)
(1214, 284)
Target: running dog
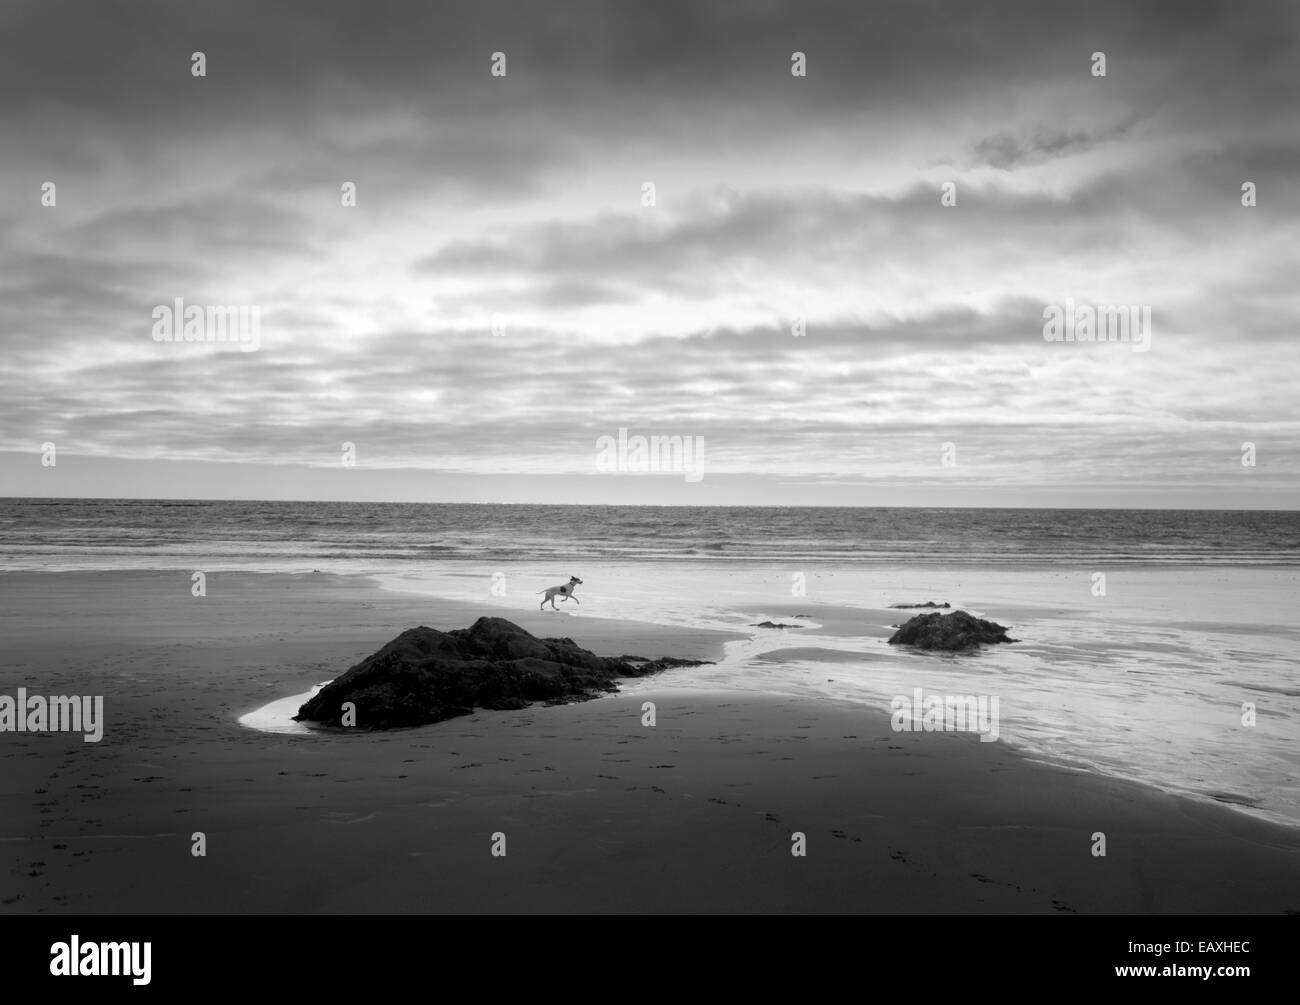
(564, 592)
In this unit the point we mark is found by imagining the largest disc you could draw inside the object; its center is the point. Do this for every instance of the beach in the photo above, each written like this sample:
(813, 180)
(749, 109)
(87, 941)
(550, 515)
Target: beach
(676, 458)
(596, 811)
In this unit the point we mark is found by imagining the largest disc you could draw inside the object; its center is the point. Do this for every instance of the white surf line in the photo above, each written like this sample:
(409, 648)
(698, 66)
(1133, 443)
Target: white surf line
(277, 716)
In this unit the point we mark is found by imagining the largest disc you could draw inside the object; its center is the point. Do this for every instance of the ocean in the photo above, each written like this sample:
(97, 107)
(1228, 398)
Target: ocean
(123, 533)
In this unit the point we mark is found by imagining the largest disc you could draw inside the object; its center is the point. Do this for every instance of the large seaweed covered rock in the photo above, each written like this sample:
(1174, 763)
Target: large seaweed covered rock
(948, 632)
(425, 676)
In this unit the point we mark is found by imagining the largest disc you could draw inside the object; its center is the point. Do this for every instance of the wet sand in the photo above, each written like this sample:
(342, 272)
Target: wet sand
(598, 811)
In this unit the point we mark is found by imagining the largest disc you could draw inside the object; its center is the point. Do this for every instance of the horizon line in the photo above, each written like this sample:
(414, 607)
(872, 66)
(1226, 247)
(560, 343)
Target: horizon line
(551, 505)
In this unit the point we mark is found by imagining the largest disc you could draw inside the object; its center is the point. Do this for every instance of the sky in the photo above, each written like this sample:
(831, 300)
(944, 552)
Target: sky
(505, 292)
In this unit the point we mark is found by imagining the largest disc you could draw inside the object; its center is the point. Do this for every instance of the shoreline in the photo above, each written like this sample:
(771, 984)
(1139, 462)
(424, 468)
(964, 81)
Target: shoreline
(613, 636)
(603, 814)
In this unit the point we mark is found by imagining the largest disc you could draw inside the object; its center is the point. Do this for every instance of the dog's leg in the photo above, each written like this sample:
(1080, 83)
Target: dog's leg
(576, 600)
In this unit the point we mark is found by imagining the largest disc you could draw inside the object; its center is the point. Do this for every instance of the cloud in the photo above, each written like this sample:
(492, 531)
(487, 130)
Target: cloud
(515, 201)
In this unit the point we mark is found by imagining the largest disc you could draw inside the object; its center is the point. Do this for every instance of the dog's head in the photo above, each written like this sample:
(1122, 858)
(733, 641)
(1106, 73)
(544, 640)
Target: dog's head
(574, 579)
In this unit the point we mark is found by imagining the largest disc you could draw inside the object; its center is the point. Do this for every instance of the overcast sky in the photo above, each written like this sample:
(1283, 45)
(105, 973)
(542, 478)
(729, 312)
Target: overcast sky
(517, 201)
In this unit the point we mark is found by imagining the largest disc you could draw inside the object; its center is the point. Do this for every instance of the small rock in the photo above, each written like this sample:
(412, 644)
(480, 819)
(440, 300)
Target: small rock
(949, 632)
